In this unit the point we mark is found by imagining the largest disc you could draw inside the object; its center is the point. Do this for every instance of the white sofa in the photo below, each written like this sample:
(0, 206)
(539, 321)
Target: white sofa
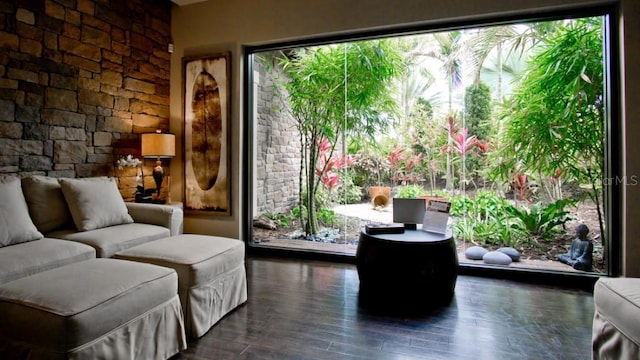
(36, 216)
(616, 321)
(52, 287)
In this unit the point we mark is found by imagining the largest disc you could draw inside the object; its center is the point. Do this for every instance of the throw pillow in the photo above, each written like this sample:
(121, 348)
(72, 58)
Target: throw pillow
(95, 203)
(47, 206)
(4, 229)
(20, 228)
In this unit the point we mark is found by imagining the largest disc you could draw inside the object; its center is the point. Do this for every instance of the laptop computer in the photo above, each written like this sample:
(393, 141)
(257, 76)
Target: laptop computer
(409, 212)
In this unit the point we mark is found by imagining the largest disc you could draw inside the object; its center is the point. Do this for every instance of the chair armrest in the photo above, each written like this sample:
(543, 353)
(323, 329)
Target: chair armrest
(168, 216)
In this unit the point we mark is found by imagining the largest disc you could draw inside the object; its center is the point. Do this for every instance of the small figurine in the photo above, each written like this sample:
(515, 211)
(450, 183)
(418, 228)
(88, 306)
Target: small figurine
(580, 255)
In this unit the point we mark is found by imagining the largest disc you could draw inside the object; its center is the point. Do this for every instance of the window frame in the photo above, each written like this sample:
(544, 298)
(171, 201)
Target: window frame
(613, 134)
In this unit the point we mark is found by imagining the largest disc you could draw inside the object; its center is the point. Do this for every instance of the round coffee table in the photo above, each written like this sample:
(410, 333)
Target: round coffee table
(412, 268)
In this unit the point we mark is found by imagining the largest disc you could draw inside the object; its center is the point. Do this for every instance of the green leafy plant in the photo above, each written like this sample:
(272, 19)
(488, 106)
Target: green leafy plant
(488, 202)
(460, 204)
(464, 229)
(542, 221)
(299, 212)
(558, 104)
(411, 191)
(347, 192)
(283, 220)
(485, 220)
(327, 216)
(317, 100)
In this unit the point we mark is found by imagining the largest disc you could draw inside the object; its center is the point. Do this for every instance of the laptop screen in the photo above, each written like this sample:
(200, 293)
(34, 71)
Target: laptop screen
(409, 211)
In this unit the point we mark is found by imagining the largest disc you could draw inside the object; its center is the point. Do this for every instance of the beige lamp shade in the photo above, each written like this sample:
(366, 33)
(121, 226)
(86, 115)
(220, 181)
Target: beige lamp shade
(159, 145)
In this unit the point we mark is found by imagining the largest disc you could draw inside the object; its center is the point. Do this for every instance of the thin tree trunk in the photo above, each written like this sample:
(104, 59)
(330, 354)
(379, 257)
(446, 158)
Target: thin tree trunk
(449, 183)
(596, 199)
(499, 80)
(301, 178)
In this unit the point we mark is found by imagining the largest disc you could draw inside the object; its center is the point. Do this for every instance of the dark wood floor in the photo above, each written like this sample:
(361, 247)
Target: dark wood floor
(301, 309)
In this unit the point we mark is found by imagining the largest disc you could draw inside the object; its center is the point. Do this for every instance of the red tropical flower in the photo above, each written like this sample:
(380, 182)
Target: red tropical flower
(464, 143)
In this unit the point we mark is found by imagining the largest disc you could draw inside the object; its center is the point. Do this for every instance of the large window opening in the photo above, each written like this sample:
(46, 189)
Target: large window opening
(509, 123)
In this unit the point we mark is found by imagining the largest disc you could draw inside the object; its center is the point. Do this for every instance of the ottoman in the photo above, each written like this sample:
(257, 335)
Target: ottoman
(616, 329)
(99, 308)
(211, 275)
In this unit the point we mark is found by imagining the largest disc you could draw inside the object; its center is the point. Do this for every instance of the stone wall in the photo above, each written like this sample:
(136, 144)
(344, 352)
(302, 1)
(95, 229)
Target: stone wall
(79, 81)
(277, 147)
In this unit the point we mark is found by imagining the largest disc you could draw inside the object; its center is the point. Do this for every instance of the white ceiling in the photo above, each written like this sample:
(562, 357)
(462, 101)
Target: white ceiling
(186, 2)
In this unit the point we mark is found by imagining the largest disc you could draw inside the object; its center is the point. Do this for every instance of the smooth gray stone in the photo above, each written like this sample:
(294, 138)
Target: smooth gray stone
(513, 253)
(496, 258)
(475, 253)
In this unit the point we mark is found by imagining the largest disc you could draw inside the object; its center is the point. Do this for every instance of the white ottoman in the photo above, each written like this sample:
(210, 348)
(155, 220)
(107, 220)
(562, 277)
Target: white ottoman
(211, 275)
(95, 309)
(616, 322)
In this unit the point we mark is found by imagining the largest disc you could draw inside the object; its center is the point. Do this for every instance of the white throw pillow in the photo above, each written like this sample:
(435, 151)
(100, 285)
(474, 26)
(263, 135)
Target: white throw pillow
(4, 229)
(95, 203)
(19, 227)
(47, 206)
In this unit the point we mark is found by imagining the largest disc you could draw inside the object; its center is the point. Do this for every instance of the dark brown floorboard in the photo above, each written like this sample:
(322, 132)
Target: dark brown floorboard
(301, 309)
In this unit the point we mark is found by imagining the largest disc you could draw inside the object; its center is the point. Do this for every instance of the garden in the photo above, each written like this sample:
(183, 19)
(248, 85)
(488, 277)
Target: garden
(505, 122)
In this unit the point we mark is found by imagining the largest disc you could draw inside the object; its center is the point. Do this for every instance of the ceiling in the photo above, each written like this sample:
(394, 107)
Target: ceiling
(186, 2)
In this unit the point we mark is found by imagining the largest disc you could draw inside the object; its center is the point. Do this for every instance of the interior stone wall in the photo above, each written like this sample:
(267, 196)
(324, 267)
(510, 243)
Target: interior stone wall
(79, 81)
(277, 147)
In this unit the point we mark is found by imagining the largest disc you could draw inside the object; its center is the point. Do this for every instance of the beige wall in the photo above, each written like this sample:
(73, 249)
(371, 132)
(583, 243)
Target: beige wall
(219, 25)
(630, 99)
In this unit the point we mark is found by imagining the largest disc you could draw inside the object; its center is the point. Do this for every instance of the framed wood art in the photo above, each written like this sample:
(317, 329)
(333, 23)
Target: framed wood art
(207, 104)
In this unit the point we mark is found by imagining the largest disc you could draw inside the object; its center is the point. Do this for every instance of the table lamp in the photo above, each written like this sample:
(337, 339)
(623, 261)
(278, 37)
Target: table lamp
(159, 145)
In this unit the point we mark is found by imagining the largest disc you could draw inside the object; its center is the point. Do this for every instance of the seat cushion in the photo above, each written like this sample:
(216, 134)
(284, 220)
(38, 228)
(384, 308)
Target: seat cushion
(20, 260)
(95, 203)
(109, 240)
(617, 300)
(197, 258)
(211, 275)
(16, 223)
(80, 302)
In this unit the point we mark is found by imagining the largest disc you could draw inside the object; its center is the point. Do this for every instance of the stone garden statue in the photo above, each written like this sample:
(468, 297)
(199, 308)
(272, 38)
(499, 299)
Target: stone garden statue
(580, 255)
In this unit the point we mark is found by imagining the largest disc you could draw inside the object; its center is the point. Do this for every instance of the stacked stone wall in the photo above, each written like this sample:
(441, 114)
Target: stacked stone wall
(278, 147)
(79, 81)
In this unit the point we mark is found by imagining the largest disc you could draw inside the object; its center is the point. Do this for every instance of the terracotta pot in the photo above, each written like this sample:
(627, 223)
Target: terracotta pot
(380, 195)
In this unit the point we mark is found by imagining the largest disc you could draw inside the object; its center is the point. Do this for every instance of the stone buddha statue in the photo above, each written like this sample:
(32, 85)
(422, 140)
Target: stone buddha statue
(580, 255)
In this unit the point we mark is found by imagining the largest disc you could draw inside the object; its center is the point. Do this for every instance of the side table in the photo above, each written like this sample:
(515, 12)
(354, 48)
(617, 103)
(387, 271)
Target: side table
(412, 268)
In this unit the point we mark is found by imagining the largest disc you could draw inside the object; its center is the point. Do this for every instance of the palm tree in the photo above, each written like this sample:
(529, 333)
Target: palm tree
(411, 87)
(449, 51)
(492, 41)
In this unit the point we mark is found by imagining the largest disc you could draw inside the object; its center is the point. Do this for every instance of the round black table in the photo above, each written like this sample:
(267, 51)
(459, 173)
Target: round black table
(412, 268)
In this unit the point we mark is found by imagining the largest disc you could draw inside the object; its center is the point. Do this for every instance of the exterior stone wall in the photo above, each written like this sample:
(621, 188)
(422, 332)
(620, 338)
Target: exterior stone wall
(79, 81)
(278, 148)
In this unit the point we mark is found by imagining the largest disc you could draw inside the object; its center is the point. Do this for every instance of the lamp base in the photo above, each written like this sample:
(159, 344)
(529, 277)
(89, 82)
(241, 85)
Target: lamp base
(158, 176)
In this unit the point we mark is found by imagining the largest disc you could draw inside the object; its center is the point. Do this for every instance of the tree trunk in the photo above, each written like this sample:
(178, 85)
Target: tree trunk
(311, 226)
(449, 176)
(301, 180)
(596, 199)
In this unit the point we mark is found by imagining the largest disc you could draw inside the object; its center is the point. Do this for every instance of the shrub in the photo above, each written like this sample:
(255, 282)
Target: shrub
(327, 217)
(542, 221)
(484, 219)
(283, 220)
(347, 192)
(410, 191)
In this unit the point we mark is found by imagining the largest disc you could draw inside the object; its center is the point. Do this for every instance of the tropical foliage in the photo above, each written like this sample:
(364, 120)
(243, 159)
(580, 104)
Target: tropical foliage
(521, 144)
(325, 108)
(554, 122)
